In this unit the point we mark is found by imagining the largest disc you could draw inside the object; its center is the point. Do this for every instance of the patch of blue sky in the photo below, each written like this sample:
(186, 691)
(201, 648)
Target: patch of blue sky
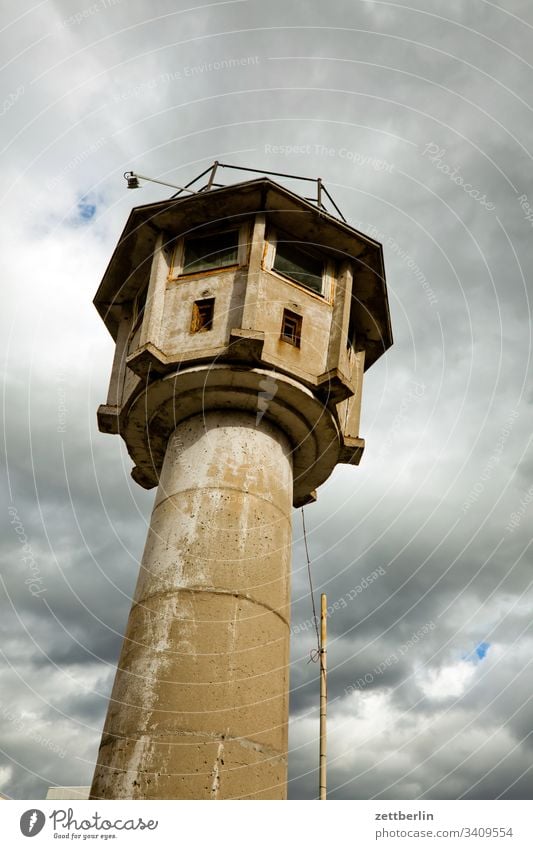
(86, 209)
(479, 653)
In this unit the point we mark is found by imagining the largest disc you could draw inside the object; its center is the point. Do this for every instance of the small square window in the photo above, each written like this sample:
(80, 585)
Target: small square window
(202, 315)
(291, 328)
(204, 253)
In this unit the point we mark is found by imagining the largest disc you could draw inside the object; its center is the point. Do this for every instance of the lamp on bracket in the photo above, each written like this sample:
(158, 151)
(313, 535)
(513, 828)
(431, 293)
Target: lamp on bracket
(132, 180)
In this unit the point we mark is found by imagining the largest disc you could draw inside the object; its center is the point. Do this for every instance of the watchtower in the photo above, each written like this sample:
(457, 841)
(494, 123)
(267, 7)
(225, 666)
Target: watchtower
(244, 318)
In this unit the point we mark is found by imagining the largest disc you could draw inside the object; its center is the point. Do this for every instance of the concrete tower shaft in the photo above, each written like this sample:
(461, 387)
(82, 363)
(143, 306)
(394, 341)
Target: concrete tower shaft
(199, 707)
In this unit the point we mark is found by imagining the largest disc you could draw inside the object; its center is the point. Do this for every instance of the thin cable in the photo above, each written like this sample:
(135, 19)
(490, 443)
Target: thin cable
(315, 653)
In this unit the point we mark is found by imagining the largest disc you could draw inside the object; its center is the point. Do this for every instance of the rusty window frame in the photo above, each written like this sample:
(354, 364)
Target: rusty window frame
(291, 328)
(203, 312)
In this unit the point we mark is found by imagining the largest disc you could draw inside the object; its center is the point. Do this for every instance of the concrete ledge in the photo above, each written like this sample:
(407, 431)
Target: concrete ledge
(352, 450)
(246, 344)
(160, 406)
(108, 418)
(306, 499)
(334, 386)
(147, 360)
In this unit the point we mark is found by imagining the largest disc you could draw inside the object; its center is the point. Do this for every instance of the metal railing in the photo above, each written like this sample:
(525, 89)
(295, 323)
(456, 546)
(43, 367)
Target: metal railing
(318, 199)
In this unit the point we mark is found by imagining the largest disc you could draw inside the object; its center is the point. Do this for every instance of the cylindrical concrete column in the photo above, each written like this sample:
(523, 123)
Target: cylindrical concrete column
(199, 708)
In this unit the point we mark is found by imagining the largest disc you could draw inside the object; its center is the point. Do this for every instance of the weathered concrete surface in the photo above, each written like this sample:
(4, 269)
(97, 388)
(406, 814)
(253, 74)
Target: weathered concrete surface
(199, 708)
(290, 406)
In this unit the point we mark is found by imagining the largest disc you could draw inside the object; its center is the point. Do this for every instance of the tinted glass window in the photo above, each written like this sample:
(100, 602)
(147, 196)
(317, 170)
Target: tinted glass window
(300, 266)
(214, 251)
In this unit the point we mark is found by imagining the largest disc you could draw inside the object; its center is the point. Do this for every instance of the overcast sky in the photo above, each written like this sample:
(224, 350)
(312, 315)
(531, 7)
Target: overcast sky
(418, 116)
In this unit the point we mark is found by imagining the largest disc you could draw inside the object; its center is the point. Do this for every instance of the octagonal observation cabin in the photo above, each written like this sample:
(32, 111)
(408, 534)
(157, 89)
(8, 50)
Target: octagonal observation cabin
(243, 296)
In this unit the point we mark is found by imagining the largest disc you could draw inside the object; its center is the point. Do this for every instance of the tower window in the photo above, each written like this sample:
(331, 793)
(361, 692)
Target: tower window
(291, 328)
(204, 253)
(139, 304)
(202, 315)
(299, 265)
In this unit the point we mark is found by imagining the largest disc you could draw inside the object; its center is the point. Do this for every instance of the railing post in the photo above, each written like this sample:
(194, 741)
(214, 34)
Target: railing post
(212, 175)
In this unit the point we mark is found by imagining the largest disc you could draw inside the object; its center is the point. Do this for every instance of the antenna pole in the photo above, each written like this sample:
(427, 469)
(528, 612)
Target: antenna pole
(323, 696)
